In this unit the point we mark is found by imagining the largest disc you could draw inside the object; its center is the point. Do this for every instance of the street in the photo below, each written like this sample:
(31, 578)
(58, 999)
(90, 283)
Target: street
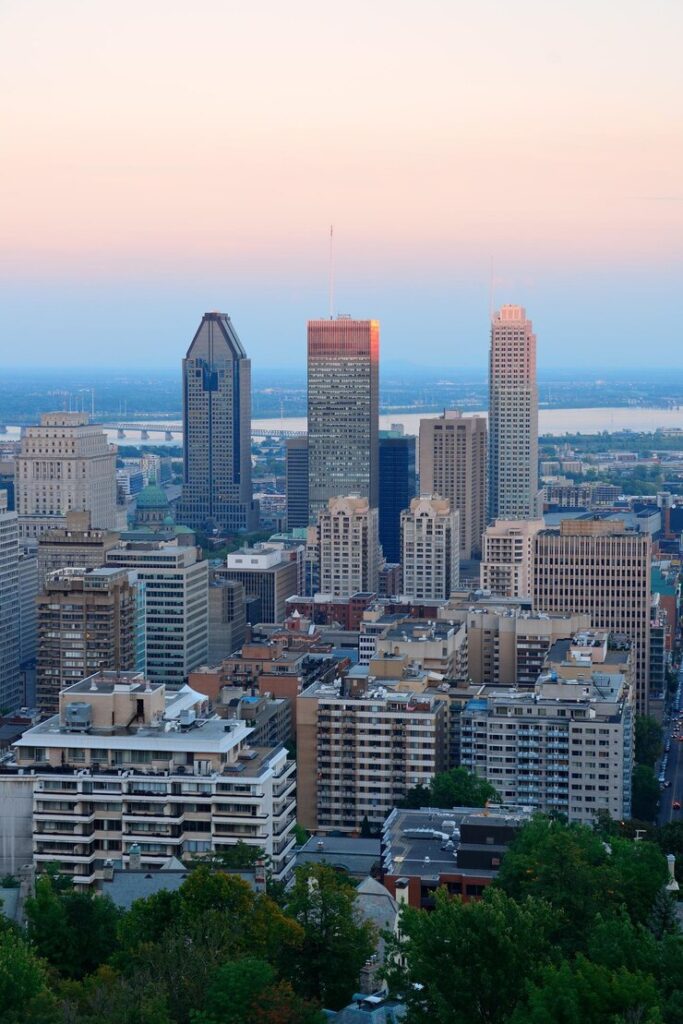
(674, 765)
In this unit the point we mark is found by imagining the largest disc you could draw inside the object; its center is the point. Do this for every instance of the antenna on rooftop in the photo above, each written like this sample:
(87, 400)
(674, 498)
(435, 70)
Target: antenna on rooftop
(331, 273)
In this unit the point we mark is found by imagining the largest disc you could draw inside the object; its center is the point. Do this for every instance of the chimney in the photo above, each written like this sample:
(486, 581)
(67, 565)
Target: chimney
(134, 858)
(369, 983)
(108, 871)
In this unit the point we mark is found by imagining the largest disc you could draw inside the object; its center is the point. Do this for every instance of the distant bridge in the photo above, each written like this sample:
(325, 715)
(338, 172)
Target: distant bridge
(171, 430)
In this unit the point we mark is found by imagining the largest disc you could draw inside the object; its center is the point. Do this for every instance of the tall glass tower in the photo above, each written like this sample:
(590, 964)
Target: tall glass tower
(217, 491)
(343, 411)
(513, 416)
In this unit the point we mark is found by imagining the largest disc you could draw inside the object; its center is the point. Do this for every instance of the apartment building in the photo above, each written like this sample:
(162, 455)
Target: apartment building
(76, 543)
(508, 557)
(453, 465)
(430, 547)
(177, 598)
(566, 747)
(10, 609)
(435, 646)
(360, 748)
(127, 765)
(66, 463)
(599, 567)
(349, 547)
(87, 620)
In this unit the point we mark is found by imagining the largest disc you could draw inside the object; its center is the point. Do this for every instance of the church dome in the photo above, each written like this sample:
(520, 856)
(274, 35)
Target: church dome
(152, 496)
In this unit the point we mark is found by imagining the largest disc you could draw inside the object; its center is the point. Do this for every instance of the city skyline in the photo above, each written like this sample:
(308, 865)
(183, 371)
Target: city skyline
(443, 154)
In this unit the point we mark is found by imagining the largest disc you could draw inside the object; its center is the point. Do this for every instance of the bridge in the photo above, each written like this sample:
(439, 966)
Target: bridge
(171, 430)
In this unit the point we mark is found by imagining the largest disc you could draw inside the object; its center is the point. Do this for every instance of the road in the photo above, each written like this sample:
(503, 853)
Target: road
(674, 771)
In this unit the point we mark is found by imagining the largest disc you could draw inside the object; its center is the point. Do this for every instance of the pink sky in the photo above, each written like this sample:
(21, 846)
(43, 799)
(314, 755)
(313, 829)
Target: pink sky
(146, 138)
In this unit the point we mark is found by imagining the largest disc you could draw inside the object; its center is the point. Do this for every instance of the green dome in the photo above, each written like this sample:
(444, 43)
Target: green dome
(152, 497)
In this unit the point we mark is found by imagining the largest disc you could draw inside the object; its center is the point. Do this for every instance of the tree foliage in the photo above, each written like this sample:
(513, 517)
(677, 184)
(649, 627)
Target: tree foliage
(648, 740)
(644, 792)
(455, 788)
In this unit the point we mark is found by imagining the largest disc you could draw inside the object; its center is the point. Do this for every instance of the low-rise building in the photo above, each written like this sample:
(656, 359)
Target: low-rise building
(125, 765)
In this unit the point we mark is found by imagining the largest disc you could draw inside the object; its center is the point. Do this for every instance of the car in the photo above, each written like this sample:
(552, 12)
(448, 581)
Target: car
(676, 805)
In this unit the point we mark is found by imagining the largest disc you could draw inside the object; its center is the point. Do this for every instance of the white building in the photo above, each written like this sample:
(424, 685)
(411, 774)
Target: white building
(66, 464)
(349, 547)
(176, 583)
(567, 746)
(123, 764)
(430, 548)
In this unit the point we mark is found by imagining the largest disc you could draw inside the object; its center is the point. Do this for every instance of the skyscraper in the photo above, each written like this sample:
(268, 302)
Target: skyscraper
(430, 548)
(349, 547)
(513, 416)
(65, 465)
(343, 411)
(217, 430)
(296, 482)
(453, 465)
(10, 637)
(601, 568)
(397, 487)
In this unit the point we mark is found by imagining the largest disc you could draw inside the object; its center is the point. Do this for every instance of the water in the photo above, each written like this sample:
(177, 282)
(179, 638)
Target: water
(551, 421)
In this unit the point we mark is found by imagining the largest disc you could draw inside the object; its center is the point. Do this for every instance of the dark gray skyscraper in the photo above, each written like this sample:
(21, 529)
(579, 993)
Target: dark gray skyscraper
(217, 430)
(343, 411)
(296, 482)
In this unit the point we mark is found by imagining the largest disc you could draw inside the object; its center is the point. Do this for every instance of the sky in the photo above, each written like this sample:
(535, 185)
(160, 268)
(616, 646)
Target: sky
(160, 159)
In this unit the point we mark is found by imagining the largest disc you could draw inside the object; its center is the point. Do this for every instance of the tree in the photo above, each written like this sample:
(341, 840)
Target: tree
(644, 792)
(23, 982)
(455, 788)
(240, 857)
(248, 990)
(581, 875)
(467, 963)
(586, 993)
(74, 931)
(648, 740)
(335, 945)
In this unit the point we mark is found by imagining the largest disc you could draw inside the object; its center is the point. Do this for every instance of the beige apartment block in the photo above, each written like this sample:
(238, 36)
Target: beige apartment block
(67, 464)
(509, 646)
(430, 558)
(360, 747)
(88, 620)
(433, 646)
(507, 557)
(126, 765)
(349, 547)
(76, 543)
(567, 746)
(599, 567)
(452, 462)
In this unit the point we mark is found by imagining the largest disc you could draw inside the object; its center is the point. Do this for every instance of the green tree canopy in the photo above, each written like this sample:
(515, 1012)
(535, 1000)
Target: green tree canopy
(335, 943)
(648, 740)
(644, 793)
(454, 788)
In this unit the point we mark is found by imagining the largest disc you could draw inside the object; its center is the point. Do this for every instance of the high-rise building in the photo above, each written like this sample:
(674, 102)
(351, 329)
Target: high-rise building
(349, 547)
(227, 618)
(176, 582)
(508, 556)
(217, 492)
(601, 568)
(170, 778)
(360, 747)
(66, 464)
(77, 542)
(430, 548)
(296, 482)
(269, 572)
(343, 411)
(568, 745)
(10, 635)
(87, 621)
(29, 588)
(513, 416)
(397, 487)
(453, 465)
